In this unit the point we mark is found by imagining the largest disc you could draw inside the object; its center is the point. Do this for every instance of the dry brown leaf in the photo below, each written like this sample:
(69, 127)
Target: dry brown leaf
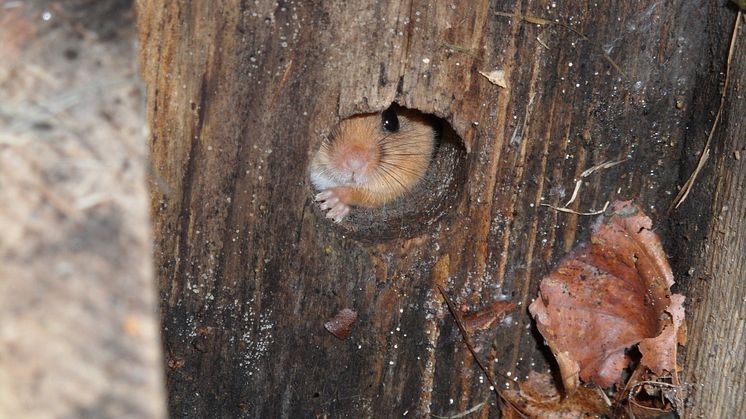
(487, 316)
(659, 353)
(339, 325)
(569, 369)
(608, 296)
(538, 397)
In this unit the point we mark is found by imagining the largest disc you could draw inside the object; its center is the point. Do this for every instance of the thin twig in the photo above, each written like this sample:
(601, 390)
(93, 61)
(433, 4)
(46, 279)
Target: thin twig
(542, 43)
(653, 383)
(602, 395)
(467, 341)
(578, 184)
(462, 414)
(283, 80)
(570, 211)
(600, 166)
(588, 172)
(684, 192)
(462, 49)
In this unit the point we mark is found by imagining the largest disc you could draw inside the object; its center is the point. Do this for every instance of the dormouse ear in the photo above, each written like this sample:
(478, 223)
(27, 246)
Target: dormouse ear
(389, 120)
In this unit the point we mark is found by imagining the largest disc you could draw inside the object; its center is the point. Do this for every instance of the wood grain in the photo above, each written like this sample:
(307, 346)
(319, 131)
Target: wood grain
(716, 356)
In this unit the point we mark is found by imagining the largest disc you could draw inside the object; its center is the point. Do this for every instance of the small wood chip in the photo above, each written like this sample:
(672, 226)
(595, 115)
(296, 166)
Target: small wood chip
(496, 77)
(339, 325)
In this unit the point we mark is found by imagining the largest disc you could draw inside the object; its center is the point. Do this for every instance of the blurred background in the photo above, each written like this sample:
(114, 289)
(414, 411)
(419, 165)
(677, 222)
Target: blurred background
(78, 320)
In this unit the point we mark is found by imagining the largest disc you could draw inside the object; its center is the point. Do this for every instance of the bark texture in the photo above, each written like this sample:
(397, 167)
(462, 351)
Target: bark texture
(715, 267)
(240, 95)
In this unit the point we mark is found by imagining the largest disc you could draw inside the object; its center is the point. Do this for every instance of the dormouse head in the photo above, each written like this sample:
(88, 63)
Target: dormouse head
(353, 152)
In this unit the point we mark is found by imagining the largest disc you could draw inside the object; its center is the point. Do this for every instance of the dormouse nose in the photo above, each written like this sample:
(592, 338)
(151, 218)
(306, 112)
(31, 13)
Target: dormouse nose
(357, 159)
(356, 163)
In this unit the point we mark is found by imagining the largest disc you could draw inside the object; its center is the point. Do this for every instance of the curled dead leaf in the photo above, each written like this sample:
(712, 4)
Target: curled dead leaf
(608, 296)
(569, 370)
(537, 397)
(659, 353)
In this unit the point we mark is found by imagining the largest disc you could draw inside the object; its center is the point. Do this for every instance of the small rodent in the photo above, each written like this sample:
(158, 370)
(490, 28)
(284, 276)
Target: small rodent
(371, 159)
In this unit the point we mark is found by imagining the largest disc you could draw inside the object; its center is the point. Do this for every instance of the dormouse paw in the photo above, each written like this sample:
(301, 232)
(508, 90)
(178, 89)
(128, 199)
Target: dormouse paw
(332, 200)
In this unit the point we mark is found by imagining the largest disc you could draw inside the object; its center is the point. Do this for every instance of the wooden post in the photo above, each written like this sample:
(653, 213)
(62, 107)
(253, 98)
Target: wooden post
(240, 95)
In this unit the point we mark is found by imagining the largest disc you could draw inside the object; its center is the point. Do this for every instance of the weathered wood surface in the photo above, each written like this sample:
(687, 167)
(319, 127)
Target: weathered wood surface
(79, 330)
(716, 265)
(239, 97)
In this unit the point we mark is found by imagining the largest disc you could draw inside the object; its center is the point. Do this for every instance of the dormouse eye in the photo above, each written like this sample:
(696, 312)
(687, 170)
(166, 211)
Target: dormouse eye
(389, 121)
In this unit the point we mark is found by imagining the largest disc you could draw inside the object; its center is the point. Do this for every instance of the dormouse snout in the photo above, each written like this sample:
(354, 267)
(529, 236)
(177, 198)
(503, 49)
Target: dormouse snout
(356, 159)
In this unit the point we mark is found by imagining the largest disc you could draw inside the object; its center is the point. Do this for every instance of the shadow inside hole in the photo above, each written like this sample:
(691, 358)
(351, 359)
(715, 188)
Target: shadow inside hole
(435, 196)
